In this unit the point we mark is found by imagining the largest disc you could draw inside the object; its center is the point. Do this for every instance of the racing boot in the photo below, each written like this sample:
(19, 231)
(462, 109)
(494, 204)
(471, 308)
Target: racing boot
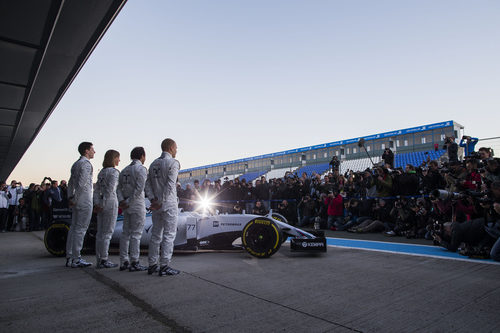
(79, 263)
(68, 262)
(136, 266)
(152, 269)
(124, 266)
(106, 264)
(167, 270)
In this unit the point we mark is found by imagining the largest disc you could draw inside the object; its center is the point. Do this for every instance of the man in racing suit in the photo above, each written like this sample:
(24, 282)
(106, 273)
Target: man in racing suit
(131, 197)
(80, 199)
(161, 191)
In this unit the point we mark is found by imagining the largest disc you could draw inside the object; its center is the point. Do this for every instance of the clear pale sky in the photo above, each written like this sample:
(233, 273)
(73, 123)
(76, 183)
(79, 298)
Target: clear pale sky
(233, 79)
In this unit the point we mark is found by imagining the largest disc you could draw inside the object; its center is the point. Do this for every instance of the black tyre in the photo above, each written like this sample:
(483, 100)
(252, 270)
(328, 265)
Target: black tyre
(55, 239)
(262, 237)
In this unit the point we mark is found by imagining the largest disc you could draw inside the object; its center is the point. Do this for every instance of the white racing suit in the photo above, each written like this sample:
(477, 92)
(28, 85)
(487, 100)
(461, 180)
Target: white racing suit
(131, 190)
(161, 186)
(105, 197)
(80, 193)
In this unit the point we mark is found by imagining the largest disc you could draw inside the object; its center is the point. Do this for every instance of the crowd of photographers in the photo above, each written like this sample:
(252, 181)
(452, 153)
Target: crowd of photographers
(30, 209)
(454, 203)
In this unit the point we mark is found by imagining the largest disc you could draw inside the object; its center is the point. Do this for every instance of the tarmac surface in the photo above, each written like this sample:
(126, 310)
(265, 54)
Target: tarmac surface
(344, 290)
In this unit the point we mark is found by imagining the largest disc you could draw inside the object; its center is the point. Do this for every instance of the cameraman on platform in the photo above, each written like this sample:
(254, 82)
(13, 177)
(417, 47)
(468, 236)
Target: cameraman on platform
(451, 148)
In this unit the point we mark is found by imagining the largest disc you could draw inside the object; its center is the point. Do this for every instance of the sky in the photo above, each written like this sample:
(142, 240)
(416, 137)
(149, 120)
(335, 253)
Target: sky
(234, 79)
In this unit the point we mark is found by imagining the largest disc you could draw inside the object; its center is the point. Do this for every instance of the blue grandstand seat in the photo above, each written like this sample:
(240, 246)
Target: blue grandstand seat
(415, 158)
(251, 176)
(309, 169)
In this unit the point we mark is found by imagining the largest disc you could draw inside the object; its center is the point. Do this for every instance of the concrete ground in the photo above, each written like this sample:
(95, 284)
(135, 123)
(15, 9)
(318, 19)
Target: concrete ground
(343, 290)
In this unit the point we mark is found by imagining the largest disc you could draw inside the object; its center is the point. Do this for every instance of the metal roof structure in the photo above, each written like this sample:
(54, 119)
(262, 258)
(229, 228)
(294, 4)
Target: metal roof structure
(43, 46)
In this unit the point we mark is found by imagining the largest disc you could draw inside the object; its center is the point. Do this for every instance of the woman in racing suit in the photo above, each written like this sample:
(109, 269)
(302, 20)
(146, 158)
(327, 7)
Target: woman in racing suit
(106, 206)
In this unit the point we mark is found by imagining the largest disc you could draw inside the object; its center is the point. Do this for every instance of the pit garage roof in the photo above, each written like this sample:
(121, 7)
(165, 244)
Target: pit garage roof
(43, 46)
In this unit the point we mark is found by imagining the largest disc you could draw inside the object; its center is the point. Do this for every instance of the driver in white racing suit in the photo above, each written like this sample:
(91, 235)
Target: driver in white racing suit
(80, 199)
(161, 191)
(131, 197)
(106, 206)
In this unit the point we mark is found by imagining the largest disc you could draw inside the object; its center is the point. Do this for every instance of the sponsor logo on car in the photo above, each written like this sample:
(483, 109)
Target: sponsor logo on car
(216, 224)
(306, 244)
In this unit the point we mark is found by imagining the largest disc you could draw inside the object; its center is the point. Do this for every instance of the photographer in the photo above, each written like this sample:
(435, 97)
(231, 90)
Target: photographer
(469, 144)
(451, 148)
(334, 163)
(388, 157)
(431, 178)
(307, 207)
(471, 233)
(383, 183)
(287, 211)
(16, 190)
(491, 173)
(408, 181)
(259, 209)
(404, 217)
(4, 205)
(455, 177)
(492, 217)
(334, 202)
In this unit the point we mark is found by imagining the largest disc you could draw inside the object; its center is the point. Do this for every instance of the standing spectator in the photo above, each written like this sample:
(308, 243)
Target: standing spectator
(452, 148)
(4, 205)
(16, 190)
(388, 157)
(308, 209)
(63, 188)
(384, 183)
(51, 196)
(80, 198)
(469, 144)
(335, 204)
(21, 216)
(28, 196)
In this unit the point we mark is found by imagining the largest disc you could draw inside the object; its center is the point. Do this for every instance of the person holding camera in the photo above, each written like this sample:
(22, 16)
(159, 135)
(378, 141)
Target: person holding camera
(161, 191)
(451, 148)
(388, 157)
(308, 208)
(80, 199)
(335, 204)
(469, 144)
(15, 190)
(106, 207)
(491, 205)
(4, 205)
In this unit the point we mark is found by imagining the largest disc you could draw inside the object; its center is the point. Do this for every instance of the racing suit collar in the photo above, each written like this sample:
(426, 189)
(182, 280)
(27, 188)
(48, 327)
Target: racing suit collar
(165, 154)
(84, 158)
(135, 161)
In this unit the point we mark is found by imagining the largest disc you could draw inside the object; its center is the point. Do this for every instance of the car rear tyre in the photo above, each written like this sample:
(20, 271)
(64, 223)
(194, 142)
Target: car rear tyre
(55, 239)
(262, 237)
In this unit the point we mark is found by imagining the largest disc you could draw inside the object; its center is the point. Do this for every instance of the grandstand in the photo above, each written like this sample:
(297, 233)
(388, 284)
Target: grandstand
(409, 145)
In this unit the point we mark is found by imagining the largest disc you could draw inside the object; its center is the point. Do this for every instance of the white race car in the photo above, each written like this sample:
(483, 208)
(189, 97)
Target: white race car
(261, 236)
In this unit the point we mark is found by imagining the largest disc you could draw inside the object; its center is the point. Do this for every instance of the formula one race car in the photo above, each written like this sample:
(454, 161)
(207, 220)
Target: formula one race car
(261, 236)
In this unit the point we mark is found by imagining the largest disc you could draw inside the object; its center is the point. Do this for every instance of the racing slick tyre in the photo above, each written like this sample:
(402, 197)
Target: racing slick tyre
(55, 238)
(262, 237)
(279, 217)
